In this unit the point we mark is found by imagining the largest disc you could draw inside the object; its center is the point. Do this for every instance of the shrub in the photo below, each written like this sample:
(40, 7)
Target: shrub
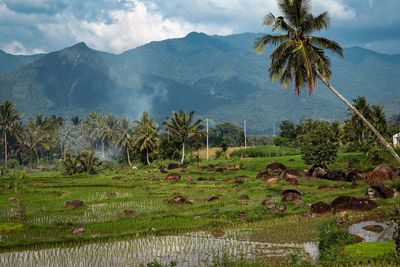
(319, 147)
(85, 162)
(332, 240)
(264, 151)
(12, 164)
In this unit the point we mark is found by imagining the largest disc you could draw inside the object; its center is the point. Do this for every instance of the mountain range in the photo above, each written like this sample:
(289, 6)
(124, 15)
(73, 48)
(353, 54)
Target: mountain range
(220, 77)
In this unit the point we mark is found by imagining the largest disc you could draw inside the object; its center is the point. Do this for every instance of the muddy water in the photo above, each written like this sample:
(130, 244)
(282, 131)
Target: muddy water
(368, 236)
(194, 249)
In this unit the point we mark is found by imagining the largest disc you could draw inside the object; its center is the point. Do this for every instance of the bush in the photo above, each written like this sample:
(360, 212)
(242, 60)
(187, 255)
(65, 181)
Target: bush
(85, 162)
(319, 147)
(12, 164)
(332, 240)
(264, 151)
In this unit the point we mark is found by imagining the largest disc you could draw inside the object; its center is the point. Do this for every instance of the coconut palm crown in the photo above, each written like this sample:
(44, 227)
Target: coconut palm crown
(299, 56)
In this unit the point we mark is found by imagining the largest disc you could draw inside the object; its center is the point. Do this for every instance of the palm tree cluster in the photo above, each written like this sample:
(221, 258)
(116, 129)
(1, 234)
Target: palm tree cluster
(112, 137)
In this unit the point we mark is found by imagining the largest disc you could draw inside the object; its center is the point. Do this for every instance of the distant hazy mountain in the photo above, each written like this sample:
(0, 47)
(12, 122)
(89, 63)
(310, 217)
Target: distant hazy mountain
(10, 62)
(219, 77)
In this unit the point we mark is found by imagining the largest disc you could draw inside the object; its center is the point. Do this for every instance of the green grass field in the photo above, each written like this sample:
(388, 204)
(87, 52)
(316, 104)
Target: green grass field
(32, 214)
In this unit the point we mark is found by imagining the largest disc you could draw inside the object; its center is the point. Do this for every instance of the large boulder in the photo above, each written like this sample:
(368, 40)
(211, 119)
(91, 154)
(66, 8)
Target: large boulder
(354, 176)
(73, 204)
(352, 203)
(380, 174)
(263, 176)
(336, 176)
(275, 168)
(376, 191)
(173, 177)
(321, 208)
(77, 231)
(291, 196)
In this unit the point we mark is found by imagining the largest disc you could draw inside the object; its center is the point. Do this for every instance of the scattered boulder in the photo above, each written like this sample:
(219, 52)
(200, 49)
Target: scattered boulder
(290, 174)
(73, 204)
(344, 203)
(162, 169)
(291, 196)
(77, 231)
(336, 176)
(379, 191)
(275, 168)
(210, 167)
(200, 179)
(183, 166)
(111, 194)
(281, 208)
(129, 213)
(317, 172)
(374, 228)
(354, 176)
(180, 200)
(244, 197)
(211, 179)
(263, 175)
(321, 208)
(380, 174)
(173, 177)
(172, 166)
(242, 215)
(272, 181)
(213, 198)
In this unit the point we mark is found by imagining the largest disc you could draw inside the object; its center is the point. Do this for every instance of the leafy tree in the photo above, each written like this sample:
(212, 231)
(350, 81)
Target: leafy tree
(125, 137)
(106, 131)
(319, 147)
(147, 136)
(288, 130)
(181, 124)
(300, 56)
(226, 132)
(9, 123)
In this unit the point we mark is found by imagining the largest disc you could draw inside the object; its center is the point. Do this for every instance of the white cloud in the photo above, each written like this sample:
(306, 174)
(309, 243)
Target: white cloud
(336, 9)
(16, 48)
(128, 28)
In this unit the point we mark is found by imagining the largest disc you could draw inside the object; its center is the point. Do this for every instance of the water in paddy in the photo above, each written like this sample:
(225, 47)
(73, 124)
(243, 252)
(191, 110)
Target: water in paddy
(192, 249)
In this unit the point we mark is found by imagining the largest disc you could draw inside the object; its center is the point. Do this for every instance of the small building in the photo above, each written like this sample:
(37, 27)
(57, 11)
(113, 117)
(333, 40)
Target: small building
(396, 140)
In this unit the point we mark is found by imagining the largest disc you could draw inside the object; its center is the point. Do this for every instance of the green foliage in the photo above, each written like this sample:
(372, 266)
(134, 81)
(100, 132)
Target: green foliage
(227, 133)
(288, 130)
(319, 147)
(264, 151)
(282, 141)
(332, 239)
(12, 164)
(85, 162)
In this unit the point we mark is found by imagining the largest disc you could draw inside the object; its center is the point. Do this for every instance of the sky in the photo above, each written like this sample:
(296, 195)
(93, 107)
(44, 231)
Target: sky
(36, 26)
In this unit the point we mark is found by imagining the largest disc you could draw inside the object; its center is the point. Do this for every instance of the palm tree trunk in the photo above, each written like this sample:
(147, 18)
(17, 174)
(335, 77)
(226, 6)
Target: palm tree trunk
(366, 122)
(102, 149)
(127, 155)
(5, 149)
(183, 152)
(37, 156)
(147, 156)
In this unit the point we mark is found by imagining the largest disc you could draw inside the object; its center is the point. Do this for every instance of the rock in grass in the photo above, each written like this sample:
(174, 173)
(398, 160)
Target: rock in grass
(77, 231)
(272, 181)
(317, 172)
(172, 166)
(129, 213)
(379, 191)
(74, 204)
(321, 208)
(344, 203)
(173, 177)
(290, 174)
(111, 194)
(275, 168)
(213, 198)
(180, 200)
(291, 196)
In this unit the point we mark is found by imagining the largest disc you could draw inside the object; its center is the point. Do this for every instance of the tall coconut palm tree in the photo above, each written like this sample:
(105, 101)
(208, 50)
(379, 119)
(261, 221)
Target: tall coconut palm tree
(181, 124)
(147, 136)
(106, 130)
(10, 123)
(299, 56)
(125, 137)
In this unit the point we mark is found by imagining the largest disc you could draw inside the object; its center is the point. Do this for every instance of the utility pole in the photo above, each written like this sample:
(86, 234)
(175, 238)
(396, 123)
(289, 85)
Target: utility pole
(207, 136)
(245, 134)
